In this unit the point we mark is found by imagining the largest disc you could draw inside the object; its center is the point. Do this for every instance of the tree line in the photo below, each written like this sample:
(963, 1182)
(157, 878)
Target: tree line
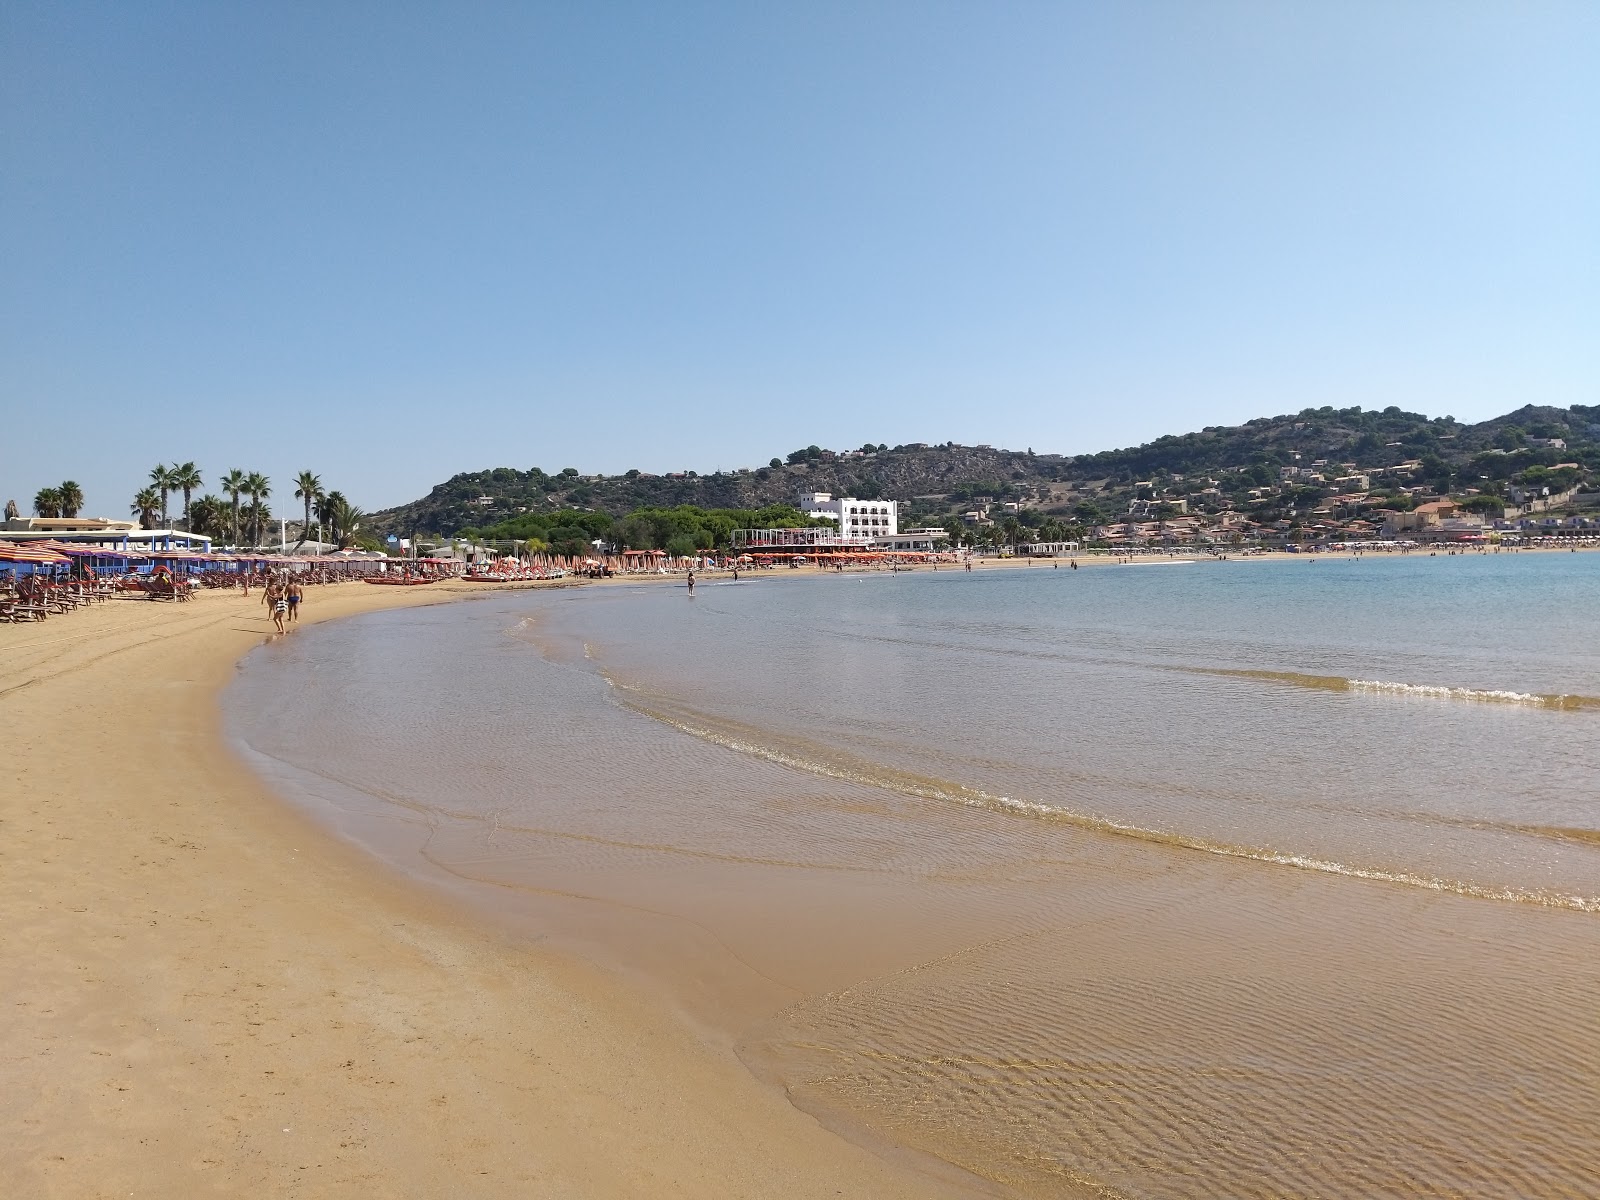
(240, 517)
(680, 530)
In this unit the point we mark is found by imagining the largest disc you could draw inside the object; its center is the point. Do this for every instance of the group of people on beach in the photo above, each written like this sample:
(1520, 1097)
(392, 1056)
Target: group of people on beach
(282, 598)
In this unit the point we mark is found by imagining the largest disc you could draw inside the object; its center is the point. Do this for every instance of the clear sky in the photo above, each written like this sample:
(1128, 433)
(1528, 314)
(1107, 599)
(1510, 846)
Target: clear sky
(393, 241)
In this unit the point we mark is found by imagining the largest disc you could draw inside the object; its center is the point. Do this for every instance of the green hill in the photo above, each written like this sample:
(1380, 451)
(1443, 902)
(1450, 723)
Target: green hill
(1298, 459)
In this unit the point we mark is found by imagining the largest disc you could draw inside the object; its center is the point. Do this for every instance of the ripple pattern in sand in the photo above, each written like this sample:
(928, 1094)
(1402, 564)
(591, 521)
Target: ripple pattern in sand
(1157, 1057)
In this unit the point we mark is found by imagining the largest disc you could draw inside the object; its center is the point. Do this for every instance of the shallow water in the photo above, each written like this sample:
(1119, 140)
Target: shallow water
(1217, 879)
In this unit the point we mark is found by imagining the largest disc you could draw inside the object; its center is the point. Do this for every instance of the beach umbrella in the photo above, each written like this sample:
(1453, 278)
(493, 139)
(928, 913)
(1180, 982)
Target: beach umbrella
(26, 560)
(35, 555)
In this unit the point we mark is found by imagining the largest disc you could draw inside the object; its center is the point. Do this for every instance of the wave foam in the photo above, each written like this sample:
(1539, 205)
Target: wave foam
(1565, 701)
(1475, 695)
(929, 789)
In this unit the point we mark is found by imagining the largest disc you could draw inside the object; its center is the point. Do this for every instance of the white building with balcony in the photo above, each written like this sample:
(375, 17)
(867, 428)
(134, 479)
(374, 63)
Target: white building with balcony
(875, 521)
(856, 518)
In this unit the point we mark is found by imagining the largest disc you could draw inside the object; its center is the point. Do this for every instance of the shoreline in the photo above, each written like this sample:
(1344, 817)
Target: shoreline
(918, 979)
(211, 993)
(183, 1018)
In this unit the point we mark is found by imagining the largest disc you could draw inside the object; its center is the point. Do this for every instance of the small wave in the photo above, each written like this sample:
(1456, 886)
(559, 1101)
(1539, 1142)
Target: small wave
(1338, 683)
(907, 784)
(1475, 695)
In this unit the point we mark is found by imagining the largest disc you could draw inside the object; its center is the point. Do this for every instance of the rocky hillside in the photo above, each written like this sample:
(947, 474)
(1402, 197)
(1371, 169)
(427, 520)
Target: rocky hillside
(935, 481)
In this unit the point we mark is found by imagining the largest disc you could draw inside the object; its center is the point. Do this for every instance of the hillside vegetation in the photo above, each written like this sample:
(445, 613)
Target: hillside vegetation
(1275, 468)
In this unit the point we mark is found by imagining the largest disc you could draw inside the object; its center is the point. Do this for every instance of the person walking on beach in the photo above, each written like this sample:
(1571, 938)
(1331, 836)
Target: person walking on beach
(294, 600)
(280, 609)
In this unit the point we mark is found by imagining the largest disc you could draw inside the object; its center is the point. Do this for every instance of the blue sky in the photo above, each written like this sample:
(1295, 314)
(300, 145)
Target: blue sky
(394, 241)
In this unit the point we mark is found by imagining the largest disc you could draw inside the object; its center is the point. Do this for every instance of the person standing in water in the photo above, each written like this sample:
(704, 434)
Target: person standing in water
(691, 581)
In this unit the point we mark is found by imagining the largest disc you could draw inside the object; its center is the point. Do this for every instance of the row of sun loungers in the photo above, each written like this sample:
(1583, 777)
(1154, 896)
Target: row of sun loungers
(36, 601)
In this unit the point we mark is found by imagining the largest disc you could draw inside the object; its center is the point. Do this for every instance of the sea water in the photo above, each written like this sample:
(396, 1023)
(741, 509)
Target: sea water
(1171, 879)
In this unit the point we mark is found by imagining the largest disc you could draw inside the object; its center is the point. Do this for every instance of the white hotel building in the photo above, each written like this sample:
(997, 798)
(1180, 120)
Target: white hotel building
(878, 521)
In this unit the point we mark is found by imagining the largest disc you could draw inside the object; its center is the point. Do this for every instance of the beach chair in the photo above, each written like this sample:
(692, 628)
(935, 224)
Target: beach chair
(21, 607)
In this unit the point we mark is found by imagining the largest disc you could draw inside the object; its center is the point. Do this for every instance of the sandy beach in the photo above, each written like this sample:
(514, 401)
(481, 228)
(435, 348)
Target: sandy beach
(208, 995)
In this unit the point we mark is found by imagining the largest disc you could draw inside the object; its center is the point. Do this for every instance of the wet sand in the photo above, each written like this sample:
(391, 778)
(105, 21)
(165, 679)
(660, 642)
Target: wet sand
(207, 994)
(1063, 1007)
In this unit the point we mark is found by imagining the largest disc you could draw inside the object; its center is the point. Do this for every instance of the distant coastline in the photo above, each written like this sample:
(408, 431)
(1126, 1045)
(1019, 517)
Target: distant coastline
(1318, 477)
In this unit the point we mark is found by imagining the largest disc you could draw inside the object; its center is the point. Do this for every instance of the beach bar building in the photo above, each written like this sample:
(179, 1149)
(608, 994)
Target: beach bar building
(98, 531)
(803, 542)
(1051, 549)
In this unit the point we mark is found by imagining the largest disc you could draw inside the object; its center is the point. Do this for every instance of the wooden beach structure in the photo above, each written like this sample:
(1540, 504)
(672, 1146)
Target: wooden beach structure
(823, 546)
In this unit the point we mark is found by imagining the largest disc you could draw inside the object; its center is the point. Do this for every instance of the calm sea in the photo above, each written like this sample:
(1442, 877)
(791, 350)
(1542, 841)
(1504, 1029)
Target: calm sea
(1176, 879)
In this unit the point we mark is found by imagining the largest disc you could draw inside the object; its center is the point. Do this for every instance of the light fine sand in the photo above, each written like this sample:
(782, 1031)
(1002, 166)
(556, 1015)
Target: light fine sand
(204, 994)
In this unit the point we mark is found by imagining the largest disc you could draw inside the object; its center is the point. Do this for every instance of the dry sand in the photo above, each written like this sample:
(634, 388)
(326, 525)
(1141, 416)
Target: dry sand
(204, 994)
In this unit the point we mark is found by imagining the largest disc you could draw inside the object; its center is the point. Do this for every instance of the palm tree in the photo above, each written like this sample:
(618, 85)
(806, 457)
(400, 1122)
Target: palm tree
(206, 516)
(161, 480)
(144, 507)
(345, 519)
(185, 477)
(47, 502)
(307, 487)
(71, 498)
(233, 483)
(327, 507)
(256, 517)
(258, 487)
(342, 517)
(1013, 528)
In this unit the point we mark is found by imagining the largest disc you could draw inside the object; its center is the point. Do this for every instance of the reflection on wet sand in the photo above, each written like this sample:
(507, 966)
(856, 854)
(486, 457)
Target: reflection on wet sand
(1083, 988)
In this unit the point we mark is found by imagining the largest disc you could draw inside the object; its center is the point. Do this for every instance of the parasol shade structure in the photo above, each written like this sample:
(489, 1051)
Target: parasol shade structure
(78, 550)
(37, 555)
